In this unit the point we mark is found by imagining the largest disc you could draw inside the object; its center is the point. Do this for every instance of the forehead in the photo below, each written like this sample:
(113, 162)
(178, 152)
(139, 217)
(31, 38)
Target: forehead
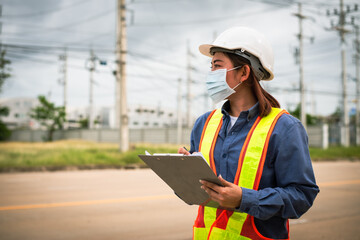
(220, 56)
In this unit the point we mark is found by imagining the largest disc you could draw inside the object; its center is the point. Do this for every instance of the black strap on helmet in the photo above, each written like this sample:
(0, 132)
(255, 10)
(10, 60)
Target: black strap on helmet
(259, 71)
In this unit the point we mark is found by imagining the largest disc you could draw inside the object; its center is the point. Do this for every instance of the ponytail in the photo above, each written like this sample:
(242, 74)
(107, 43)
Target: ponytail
(265, 99)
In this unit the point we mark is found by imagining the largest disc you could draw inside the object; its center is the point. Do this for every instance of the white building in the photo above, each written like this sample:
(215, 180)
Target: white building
(140, 116)
(101, 114)
(19, 112)
(151, 117)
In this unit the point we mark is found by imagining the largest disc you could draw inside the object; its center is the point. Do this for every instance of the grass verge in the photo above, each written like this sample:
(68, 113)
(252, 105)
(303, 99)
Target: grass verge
(76, 154)
(72, 154)
(335, 153)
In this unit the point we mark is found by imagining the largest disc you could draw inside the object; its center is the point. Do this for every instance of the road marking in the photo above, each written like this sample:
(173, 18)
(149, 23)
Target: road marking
(339, 183)
(133, 199)
(82, 203)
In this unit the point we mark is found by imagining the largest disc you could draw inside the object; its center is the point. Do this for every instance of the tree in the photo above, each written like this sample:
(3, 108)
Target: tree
(310, 119)
(4, 111)
(4, 131)
(84, 122)
(49, 115)
(335, 117)
(4, 70)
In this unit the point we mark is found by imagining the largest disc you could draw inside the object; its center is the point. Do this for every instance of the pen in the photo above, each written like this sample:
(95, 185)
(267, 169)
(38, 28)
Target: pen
(185, 148)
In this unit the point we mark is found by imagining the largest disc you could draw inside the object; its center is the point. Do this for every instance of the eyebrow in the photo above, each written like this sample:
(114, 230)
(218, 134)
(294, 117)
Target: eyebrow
(217, 60)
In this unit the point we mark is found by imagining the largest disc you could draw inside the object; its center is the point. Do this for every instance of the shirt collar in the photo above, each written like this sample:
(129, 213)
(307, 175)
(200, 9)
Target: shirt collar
(249, 114)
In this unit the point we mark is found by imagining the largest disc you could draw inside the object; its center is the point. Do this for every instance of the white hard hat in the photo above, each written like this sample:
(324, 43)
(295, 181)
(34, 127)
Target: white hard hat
(248, 43)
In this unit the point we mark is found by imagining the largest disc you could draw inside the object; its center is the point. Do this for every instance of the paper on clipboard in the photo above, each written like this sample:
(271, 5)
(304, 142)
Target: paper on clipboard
(182, 173)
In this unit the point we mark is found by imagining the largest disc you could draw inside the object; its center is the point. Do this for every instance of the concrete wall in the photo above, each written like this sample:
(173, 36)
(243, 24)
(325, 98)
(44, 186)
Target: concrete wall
(149, 135)
(318, 135)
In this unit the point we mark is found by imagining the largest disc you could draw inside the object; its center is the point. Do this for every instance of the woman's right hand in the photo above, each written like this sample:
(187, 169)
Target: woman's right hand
(183, 151)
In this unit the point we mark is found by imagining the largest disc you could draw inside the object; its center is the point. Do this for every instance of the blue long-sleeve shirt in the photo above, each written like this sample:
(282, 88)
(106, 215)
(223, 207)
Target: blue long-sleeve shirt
(287, 187)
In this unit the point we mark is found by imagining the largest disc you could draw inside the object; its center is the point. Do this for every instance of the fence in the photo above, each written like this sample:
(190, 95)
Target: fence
(319, 136)
(148, 135)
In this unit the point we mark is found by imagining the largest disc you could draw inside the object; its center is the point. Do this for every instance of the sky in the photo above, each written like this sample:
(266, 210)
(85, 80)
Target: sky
(36, 32)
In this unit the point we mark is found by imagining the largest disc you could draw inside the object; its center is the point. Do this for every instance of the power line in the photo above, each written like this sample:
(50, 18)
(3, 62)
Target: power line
(21, 57)
(39, 28)
(71, 25)
(155, 74)
(321, 92)
(144, 56)
(206, 21)
(60, 48)
(6, 38)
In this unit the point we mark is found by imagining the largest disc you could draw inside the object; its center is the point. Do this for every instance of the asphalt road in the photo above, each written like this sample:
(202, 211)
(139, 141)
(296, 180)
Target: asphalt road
(136, 204)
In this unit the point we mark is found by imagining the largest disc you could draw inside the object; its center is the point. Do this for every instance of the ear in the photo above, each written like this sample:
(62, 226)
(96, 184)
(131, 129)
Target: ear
(244, 73)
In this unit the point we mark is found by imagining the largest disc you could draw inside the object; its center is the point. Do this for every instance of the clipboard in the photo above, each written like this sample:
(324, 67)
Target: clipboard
(182, 174)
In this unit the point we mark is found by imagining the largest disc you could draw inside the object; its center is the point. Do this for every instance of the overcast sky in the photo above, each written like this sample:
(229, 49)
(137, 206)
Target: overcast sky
(38, 30)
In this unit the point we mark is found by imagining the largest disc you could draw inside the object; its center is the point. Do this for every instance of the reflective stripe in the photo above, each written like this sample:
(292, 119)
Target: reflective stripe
(209, 136)
(217, 234)
(209, 216)
(244, 149)
(236, 222)
(265, 148)
(255, 149)
(248, 175)
(200, 233)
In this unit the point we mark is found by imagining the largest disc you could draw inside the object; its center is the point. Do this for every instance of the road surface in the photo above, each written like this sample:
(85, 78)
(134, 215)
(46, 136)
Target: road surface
(136, 204)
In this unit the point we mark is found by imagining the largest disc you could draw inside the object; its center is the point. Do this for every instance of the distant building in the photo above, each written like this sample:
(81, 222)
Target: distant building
(19, 115)
(102, 116)
(140, 116)
(151, 117)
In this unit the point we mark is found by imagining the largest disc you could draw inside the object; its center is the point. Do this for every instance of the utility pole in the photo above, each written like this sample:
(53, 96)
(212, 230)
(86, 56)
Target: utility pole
(63, 81)
(121, 51)
(345, 131)
(0, 27)
(357, 67)
(63, 70)
(301, 70)
(179, 112)
(91, 89)
(188, 87)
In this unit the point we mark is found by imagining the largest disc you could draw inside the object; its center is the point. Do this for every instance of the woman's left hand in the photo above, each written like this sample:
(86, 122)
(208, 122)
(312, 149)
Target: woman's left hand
(228, 196)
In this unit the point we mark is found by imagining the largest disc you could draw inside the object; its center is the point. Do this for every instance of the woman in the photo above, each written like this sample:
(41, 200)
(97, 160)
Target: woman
(258, 150)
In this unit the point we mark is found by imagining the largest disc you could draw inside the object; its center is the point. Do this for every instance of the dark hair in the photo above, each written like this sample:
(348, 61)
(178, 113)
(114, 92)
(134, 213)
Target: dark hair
(265, 99)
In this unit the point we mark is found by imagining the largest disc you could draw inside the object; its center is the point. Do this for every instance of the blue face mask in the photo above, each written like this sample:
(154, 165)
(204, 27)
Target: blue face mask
(217, 86)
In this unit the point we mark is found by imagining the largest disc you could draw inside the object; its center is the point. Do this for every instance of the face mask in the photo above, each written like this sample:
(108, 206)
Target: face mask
(217, 86)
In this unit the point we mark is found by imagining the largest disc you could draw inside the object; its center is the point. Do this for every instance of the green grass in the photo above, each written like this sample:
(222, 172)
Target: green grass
(335, 153)
(65, 154)
(83, 155)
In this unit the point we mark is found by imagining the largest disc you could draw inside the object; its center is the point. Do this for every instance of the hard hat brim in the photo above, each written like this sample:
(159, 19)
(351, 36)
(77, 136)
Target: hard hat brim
(205, 49)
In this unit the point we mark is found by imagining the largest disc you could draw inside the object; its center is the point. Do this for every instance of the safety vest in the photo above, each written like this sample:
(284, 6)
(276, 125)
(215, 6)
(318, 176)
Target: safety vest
(215, 223)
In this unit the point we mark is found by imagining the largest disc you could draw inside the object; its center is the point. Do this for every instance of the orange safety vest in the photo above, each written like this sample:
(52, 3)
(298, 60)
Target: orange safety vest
(215, 223)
